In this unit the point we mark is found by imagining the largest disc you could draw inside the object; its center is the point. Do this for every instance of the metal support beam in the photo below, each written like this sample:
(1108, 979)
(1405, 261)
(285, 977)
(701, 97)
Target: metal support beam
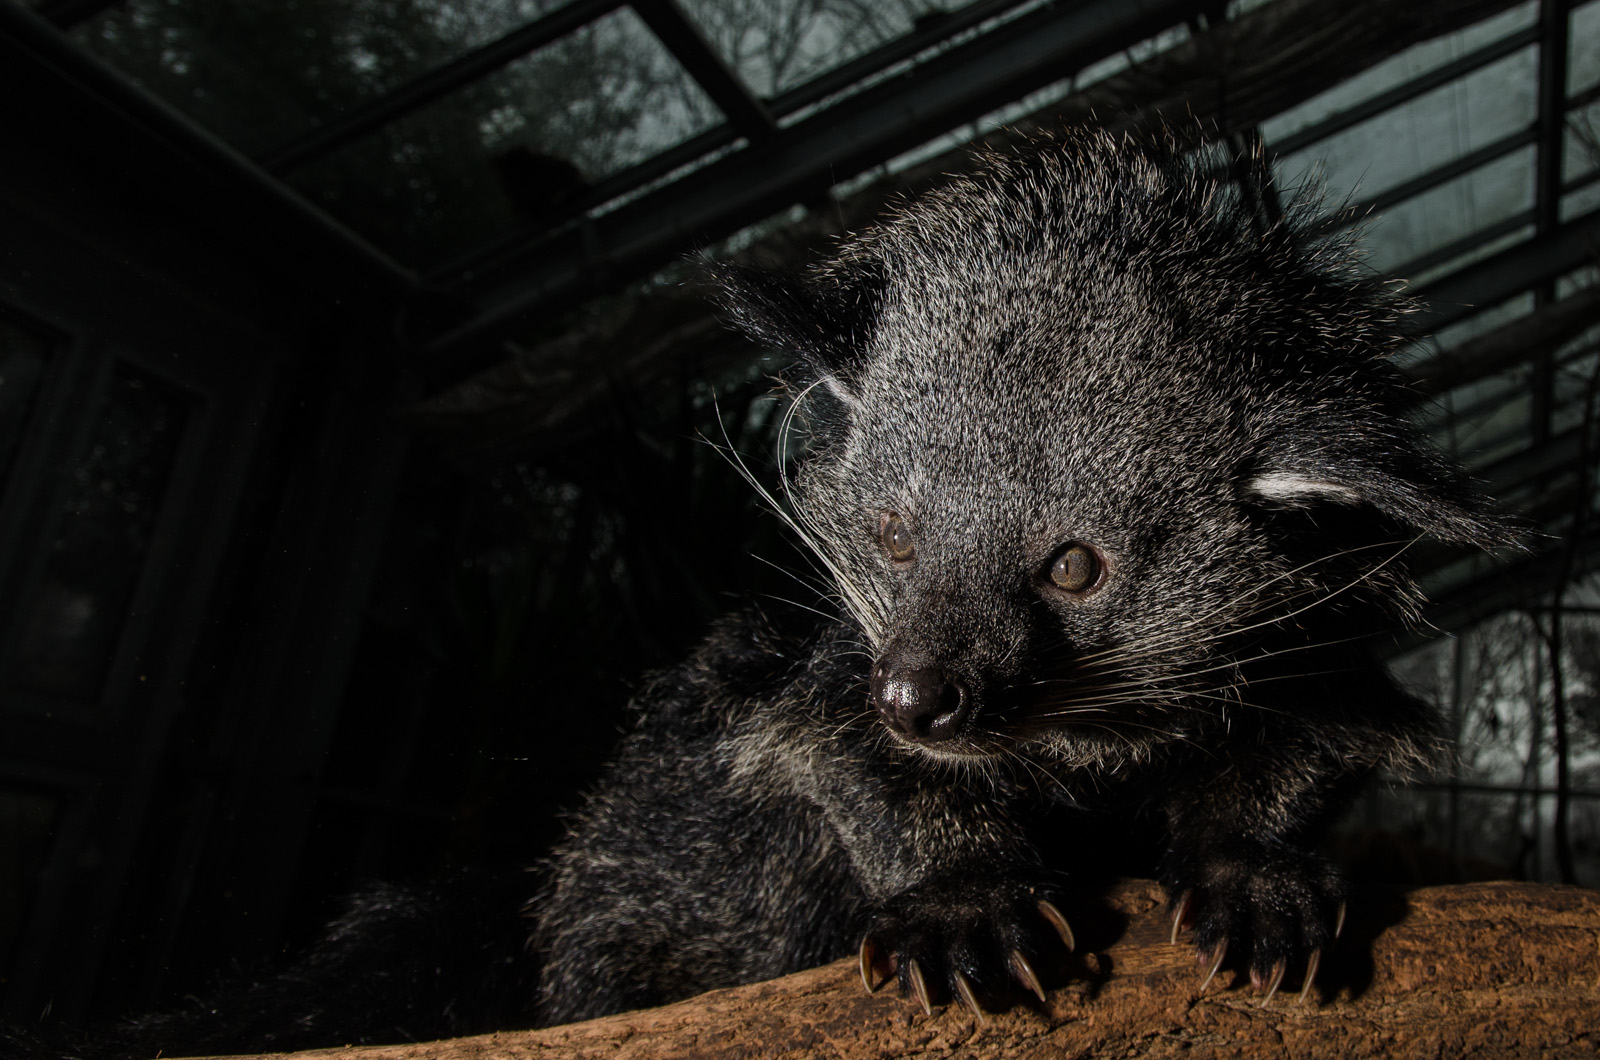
(1371, 108)
(1553, 21)
(1466, 587)
(929, 33)
(435, 84)
(690, 47)
(1456, 248)
(1549, 327)
(1496, 589)
(806, 159)
(49, 85)
(1459, 247)
(1535, 464)
(1428, 180)
(1512, 271)
(492, 256)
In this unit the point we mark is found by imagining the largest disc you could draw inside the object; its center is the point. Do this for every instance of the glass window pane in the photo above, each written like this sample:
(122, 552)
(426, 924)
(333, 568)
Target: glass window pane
(1580, 149)
(777, 46)
(1487, 419)
(1420, 275)
(22, 365)
(515, 143)
(1476, 200)
(1422, 134)
(1572, 387)
(1483, 321)
(1397, 70)
(261, 74)
(1581, 202)
(1583, 48)
(112, 497)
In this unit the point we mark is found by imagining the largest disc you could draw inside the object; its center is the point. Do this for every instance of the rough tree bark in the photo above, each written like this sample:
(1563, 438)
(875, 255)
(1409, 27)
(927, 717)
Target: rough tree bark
(1501, 970)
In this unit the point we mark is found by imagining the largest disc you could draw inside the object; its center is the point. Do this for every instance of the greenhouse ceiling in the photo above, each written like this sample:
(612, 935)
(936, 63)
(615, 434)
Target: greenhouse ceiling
(501, 162)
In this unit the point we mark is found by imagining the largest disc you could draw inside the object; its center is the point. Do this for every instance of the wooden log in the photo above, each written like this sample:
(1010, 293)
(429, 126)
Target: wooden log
(1504, 970)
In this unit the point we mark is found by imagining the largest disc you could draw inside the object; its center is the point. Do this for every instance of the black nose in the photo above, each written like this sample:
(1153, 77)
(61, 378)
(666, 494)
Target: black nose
(923, 703)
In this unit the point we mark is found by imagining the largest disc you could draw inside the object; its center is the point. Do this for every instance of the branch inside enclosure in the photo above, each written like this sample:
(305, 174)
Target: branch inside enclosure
(1506, 970)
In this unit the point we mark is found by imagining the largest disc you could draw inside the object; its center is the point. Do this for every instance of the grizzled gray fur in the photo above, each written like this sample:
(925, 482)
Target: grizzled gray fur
(1105, 471)
(1108, 476)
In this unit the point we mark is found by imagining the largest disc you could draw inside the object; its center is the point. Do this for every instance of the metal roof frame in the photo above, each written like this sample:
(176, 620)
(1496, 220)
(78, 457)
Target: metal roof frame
(435, 84)
(1144, 95)
(767, 164)
(805, 159)
(747, 114)
(50, 83)
(1407, 91)
(1542, 259)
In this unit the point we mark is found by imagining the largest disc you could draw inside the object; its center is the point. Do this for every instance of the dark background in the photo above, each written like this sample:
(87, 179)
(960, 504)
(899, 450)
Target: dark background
(365, 432)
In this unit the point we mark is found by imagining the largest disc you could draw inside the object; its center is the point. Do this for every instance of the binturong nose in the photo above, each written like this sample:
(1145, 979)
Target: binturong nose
(922, 703)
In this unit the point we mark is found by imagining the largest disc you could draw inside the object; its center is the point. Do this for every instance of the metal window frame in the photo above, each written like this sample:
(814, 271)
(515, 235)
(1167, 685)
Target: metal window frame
(803, 159)
(435, 84)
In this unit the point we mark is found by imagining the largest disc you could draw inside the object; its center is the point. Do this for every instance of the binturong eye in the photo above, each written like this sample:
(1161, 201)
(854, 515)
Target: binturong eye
(1076, 569)
(896, 538)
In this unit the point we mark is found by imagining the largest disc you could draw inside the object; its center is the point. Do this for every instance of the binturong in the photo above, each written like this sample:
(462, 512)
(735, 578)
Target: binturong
(1108, 481)
(1110, 478)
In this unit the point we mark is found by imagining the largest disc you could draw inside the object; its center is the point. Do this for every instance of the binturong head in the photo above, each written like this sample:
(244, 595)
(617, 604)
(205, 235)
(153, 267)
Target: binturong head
(1091, 445)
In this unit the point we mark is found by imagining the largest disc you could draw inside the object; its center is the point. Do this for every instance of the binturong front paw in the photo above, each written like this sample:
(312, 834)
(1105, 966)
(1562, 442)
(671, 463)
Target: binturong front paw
(972, 938)
(1273, 911)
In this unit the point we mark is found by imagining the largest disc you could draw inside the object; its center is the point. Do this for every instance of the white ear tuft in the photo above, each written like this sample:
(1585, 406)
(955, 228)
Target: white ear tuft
(1291, 489)
(840, 391)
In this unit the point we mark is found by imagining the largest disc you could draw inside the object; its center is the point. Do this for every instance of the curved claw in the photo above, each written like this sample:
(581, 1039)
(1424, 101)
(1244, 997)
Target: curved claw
(1024, 974)
(1312, 964)
(919, 987)
(1048, 910)
(1338, 923)
(1179, 912)
(1276, 981)
(1217, 956)
(869, 954)
(968, 998)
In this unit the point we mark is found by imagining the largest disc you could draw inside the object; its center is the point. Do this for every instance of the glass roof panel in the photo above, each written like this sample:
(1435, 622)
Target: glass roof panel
(1588, 276)
(1441, 215)
(1418, 275)
(775, 47)
(1580, 153)
(1396, 70)
(1423, 133)
(259, 75)
(1483, 321)
(1582, 201)
(1031, 105)
(1578, 366)
(1486, 419)
(904, 66)
(514, 144)
(1580, 160)
(1583, 48)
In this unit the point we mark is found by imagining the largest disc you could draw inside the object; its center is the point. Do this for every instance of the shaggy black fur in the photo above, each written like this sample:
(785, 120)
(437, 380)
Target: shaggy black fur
(1106, 476)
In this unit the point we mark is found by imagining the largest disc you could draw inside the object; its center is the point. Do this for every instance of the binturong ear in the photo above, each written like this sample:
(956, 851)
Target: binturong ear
(827, 318)
(1390, 470)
